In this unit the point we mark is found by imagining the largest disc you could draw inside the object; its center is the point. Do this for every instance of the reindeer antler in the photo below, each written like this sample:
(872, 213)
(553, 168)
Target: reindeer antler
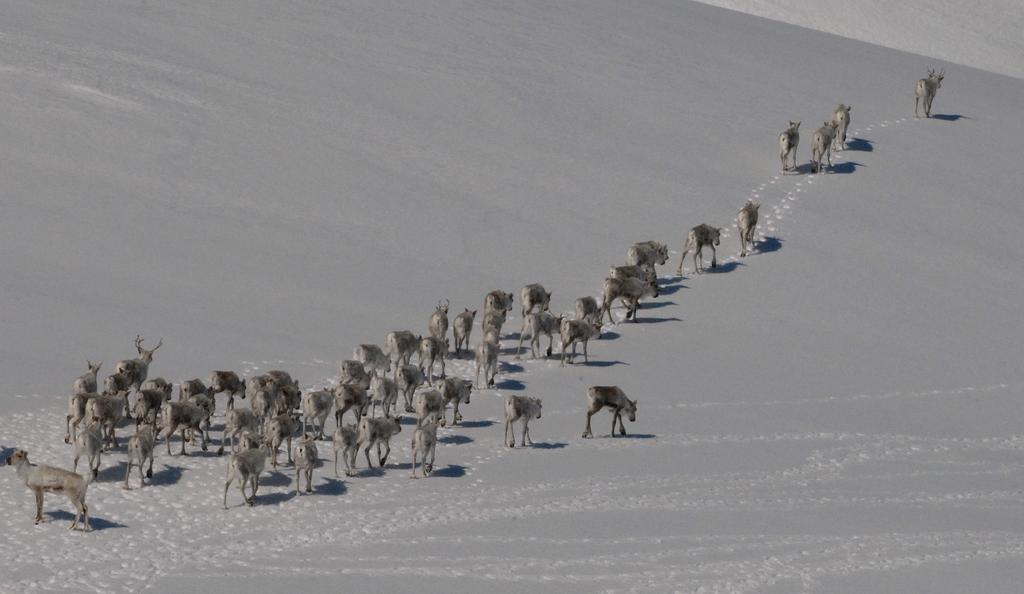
(138, 343)
(159, 343)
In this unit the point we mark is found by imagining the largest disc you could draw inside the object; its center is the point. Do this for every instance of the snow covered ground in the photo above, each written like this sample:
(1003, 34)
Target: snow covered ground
(267, 185)
(981, 34)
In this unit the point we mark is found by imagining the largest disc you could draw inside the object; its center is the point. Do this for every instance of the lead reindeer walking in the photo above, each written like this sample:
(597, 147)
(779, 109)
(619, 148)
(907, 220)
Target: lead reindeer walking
(788, 141)
(841, 117)
(925, 91)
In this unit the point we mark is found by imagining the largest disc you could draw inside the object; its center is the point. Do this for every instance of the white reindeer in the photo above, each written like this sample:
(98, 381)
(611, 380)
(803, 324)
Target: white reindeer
(40, 479)
(438, 326)
(926, 90)
(315, 408)
(246, 466)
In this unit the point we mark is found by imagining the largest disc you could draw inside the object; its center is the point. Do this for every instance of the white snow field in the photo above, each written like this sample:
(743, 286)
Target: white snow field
(981, 34)
(266, 185)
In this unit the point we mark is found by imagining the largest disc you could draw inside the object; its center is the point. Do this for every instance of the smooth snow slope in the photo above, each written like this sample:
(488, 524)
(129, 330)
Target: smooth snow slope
(267, 186)
(980, 34)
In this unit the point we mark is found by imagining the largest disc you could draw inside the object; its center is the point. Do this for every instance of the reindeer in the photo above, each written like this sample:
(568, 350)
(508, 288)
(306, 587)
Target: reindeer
(41, 478)
(409, 379)
(182, 416)
(455, 390)
(573, 331)
(280, 429)
(497, 301)
(612, 397)
(346, 440)
(424, 443)
(841, 117)
(353, 372)
(306, 459)
(157, 383)
(349, 396)
(630, 291)
(630, 271)
(926, 89)
(533, 296)
(646, 254)
(487, 359)
(374, 361)
(76, 414)
(542, 322)
(385, 391)
(746, 223)
(147, 406)
(226, 381)
(237, 422)
(788, 141)
(432, 351)
(86, 383)
(378, 431)
(107, 411)
(587, 309)
(400, 346)
(246, 466)
(140, 450)
(439, 321)
(493, 321)
(315, 408)
(462, 328)
(520, 408)
(821, 145)
(137, 369)
(119, 382)
(698, 237)
(189, 388)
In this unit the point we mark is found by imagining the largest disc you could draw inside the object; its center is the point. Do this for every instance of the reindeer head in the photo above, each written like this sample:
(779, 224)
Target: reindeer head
(539, 405)
(93, 369)
(630, 409)
(794, 126)
(17, 458)
(716, 235)
(442, 307)
(145, 355)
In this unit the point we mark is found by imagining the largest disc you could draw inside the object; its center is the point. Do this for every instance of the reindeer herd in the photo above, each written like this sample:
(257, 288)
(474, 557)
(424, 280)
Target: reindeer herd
(280, 413)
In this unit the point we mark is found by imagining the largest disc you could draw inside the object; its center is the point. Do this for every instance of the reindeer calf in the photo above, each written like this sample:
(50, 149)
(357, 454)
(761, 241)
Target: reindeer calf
(40, 479)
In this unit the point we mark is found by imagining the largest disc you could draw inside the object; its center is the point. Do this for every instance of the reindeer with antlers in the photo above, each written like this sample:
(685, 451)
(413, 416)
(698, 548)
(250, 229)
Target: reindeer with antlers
(926, 89)
(137, 369)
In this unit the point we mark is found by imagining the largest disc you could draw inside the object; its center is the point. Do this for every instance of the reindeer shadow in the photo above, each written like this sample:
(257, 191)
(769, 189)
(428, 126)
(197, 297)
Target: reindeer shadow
(275, 498)
(6, 453)
(330, 486)
(509, 384)
(450, 471)
(550, 445)
(657, 320)
(455, 439)
(671, 287)
(594, 363)
(111, 473)
(168, 475)
(845, 167)
(859, 144)
(506, 367)
(609, 335)
(725, 268)
(94, 522)
(476, 424)
(949, 117)
(657, 304)
(276, 478)
(768, 245)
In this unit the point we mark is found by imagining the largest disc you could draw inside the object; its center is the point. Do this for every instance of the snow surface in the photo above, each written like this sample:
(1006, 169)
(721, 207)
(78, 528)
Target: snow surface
(266, 185)
(981, 34)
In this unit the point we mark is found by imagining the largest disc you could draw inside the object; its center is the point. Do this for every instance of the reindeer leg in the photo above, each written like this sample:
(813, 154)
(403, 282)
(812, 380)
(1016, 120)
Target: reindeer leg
(714, 257)
(39, 505)
(511, 444)
(587, 432)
